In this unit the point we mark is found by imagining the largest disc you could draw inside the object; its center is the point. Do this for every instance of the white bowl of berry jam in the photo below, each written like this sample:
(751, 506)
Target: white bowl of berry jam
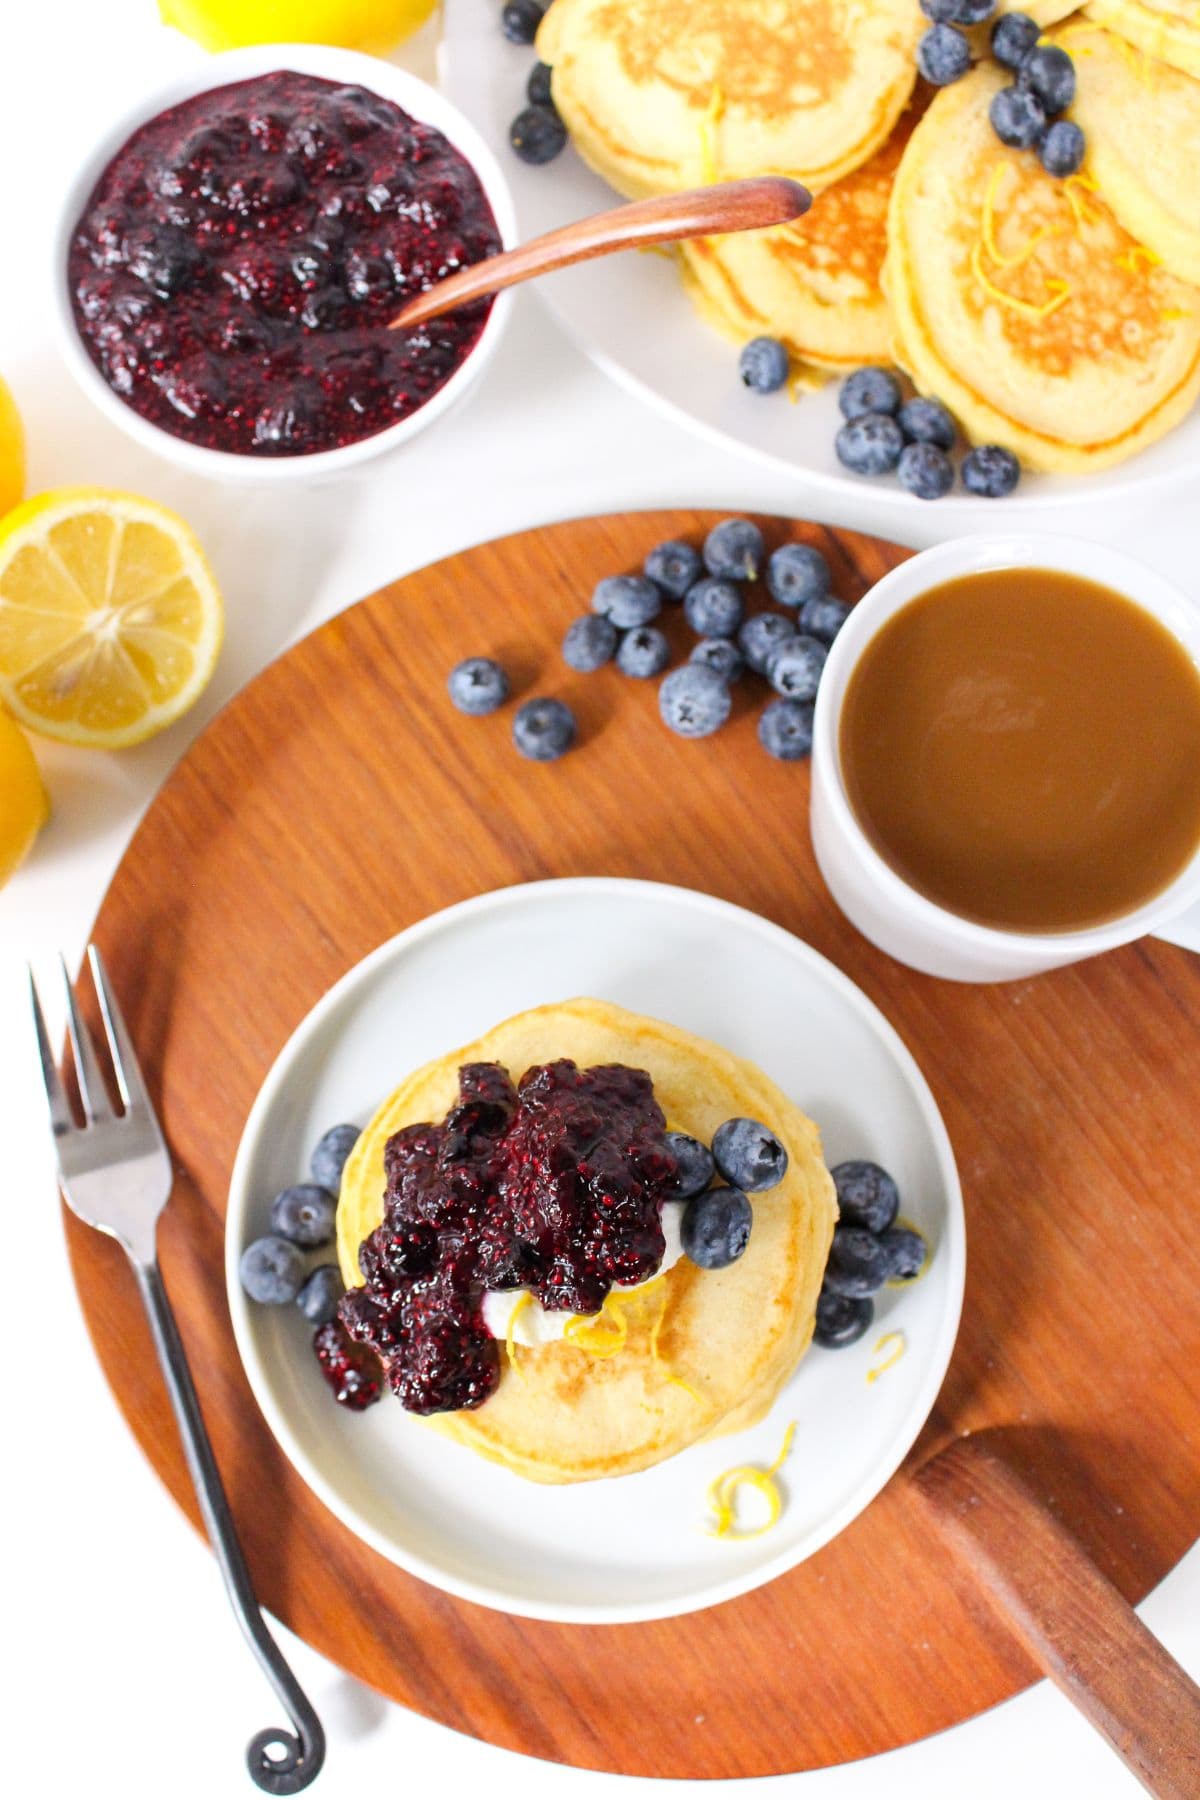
(232, 252)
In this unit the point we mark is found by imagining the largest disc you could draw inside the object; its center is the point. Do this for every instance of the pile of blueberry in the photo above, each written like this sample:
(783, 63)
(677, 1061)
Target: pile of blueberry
(868, 1249)
(1027, 114)
(537, 134)
(715, 1228)
(883, 432)
(543, 729)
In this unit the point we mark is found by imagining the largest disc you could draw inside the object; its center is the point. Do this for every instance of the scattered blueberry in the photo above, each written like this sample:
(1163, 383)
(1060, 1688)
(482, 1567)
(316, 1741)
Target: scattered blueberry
(694, 701)
(763, 365)
(840, 1320)
(329, 1158)
(590, 642)
(761, 636)
(733, 551)
(866, 1194)
(925, 471)
(318, 1298)
(1061, 148)
(674, 567)
(478, 686)
(905, 1251)
(1049, 73)
(1013, 36)
(537, 88)
(305, 1214)
(271, 1271)
(520, 19)
(696, 1166)
(721, 654)
(990, 471)
(940, 12)
(943, 55)
(869, 390)
(823, 618)
(870, 444)
(749, 1155)
(796, 573)
(537, 134)
(716, 1227)
(1018, 117)
(628, 600)
(643, 652)
(713, 608)
(785, 729)
(858, 1263)
(795, 669)
(974, 12)
(928, 422)
(543, 729)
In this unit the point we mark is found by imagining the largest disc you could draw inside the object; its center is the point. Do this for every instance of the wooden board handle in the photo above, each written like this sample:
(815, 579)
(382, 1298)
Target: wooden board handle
(1069, 1616)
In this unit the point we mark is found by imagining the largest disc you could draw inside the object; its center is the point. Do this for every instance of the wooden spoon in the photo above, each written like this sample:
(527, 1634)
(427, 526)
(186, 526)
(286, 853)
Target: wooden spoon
(700, 212)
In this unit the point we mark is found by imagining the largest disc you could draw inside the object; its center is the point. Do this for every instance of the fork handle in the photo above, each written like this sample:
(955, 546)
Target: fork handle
(297, 1759)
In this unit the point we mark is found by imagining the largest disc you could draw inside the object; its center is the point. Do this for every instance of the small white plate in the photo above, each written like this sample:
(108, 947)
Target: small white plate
(634, 1548)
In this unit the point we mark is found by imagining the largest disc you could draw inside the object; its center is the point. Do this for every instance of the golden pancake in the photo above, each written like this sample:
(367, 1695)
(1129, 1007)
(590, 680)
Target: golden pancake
(1022, 303)
(733, 1336)
(1168, 30)
(1142, 122)
(666, 94)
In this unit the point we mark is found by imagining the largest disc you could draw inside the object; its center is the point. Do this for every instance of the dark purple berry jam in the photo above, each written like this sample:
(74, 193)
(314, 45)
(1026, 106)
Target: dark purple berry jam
(353, 1372)
(234, 271)
(557, 1186)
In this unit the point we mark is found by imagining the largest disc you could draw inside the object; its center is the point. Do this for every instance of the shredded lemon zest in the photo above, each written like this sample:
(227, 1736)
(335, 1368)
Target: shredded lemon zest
(898, 1343)
(591, 1331)
(708, 134)
(988, 221)
(510, 1342)
(722, 1493)
(1128, 259)
(1060, 296)
(921, 1273)
(1169, 314)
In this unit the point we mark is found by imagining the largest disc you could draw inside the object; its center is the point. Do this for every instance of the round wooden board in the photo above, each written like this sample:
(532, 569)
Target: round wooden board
(340, 798)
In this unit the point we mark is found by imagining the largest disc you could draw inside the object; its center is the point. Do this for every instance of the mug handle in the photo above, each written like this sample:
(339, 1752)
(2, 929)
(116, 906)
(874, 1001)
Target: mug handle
(1183, 929)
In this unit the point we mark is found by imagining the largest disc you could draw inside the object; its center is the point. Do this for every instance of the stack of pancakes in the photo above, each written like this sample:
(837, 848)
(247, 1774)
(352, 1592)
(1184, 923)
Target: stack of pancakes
(1059, 318)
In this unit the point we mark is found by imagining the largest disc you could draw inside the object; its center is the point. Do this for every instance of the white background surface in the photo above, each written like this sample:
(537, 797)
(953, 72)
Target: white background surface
(126, 1671)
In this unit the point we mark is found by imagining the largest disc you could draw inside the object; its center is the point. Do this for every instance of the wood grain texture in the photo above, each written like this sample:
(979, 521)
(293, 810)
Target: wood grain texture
(340, 798)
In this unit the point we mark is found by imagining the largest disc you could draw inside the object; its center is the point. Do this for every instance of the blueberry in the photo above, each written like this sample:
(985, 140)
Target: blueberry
(543, 729)
(761, 636)
(271, 1271)
(674, 567)
(696, 1166)
(590, 642)
(733, 551)
(823, 618)
(478, 686)
(318, 1298)
(928, 422)
(870, 444)
(785, 729)
(990, 471)
(974, 12)
(520, 19)
(305, 1214)
(866, 1194)
(1061, 148)
(537, 135)
(925, 471)
(869, 390)
(694, 701)
(943, 55)
(796, 573)
(1049, 73)
(329, 1158)
(858, 1263)
(716, 1227)
(795, 669)
(763, 365)
(713, 608)
(841, 1321)
(721, 654)
(537, 88)
(749, 1155)
(643, 652)
(906, 1252)
(1018, 117)
(1013, 36)
(941, 12)
(628, 600)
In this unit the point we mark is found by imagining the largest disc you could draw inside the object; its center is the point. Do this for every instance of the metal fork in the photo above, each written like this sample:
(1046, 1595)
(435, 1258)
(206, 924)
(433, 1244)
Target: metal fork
(115, 1172)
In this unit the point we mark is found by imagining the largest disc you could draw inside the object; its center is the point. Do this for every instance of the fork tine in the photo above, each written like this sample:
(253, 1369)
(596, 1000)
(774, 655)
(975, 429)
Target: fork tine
(92, 1091)
(125, 1063)
(56, 1100)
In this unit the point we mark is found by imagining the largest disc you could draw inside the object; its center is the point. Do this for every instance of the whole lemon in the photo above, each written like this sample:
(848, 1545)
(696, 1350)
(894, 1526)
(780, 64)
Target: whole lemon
(375, 25)
(23, 805)
(12, 452)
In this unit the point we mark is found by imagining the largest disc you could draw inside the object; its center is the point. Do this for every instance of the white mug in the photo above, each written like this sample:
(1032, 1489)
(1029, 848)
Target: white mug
(869, 891)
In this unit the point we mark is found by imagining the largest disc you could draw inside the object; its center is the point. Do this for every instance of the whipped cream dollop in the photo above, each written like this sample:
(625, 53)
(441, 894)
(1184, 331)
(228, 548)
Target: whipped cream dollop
(535, 1325)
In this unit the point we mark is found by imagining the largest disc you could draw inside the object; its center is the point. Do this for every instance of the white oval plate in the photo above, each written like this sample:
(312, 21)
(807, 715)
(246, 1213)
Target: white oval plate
(630, 314)
(633, 1548)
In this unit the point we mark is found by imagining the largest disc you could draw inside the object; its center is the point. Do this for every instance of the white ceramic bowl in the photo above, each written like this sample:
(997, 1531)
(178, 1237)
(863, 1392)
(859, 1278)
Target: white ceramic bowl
(343, 66)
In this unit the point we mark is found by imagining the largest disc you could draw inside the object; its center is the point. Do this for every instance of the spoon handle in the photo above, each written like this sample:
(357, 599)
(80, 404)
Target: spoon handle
(700, 212)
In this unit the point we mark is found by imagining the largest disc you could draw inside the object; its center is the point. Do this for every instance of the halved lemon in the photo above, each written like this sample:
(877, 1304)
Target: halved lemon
(110, 619)
(24, 808)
